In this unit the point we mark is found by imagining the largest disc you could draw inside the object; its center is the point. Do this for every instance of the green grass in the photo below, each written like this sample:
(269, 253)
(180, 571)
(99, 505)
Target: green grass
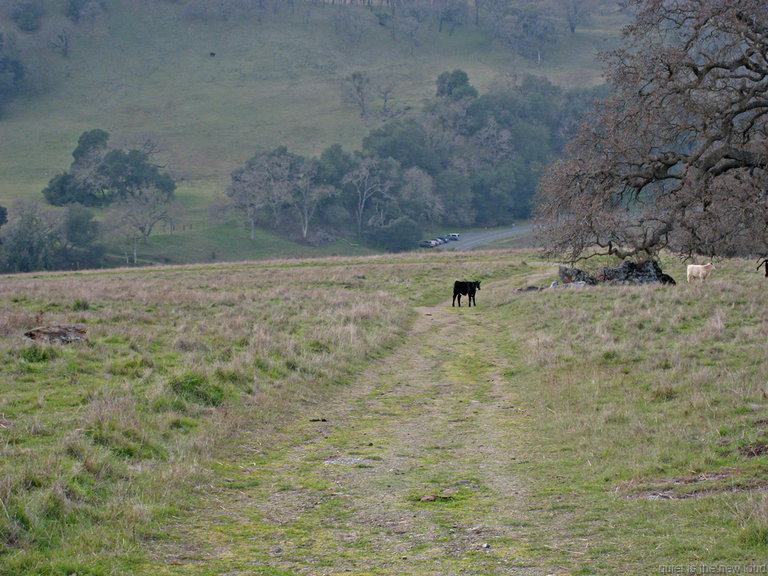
(229, 242)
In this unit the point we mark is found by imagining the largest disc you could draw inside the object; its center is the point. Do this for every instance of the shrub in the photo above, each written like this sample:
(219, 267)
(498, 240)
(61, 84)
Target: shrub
(401, 234)
(27, 16)
(37, 353)
(755, 536)
(196, 387)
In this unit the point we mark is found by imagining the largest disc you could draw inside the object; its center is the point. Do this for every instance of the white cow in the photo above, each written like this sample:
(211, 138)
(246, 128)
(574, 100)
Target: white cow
(700, 271)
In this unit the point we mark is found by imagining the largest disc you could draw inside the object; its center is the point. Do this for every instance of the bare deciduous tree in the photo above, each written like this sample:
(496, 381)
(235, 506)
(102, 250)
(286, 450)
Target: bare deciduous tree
(245, 194)
(678, 156)
(576, 12)
(371, 177)
(358, 90)
(142, 212)
(264, 182)
(308, 194)
(60, 42)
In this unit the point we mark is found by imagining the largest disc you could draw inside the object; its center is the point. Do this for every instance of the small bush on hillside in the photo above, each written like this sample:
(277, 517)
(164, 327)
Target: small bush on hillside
(28, 16)
(37, 354)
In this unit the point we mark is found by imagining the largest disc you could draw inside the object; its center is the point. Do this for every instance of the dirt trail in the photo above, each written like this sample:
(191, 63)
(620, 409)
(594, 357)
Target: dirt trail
(410, 471)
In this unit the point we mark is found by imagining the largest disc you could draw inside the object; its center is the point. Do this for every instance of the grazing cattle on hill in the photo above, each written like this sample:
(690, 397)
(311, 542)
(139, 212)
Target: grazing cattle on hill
(463, 288)
(700, 271)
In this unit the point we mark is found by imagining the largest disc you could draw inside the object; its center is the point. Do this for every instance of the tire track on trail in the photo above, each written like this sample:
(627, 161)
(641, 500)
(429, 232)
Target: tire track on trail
(411, 470)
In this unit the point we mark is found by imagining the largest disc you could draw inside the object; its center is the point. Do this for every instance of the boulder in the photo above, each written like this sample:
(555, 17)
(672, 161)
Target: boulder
(568, 275)
(65, 334)
(647, 272)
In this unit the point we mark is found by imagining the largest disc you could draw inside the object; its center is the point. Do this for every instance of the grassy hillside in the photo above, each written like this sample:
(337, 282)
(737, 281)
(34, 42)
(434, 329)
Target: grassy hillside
(278, 417)
(142, 71)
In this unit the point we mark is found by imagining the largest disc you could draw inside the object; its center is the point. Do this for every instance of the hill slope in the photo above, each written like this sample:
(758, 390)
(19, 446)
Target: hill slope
(145, 71)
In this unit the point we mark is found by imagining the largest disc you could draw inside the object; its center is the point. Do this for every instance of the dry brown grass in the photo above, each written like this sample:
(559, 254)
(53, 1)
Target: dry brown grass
(179, 363)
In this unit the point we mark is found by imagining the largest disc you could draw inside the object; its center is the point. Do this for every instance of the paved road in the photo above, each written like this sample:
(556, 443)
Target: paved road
(471, 240)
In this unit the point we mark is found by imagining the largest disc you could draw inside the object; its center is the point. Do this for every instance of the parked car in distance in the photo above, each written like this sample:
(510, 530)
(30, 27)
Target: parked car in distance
(438, 240)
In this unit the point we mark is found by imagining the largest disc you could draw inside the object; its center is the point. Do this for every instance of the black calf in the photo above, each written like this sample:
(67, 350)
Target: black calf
(467, 289)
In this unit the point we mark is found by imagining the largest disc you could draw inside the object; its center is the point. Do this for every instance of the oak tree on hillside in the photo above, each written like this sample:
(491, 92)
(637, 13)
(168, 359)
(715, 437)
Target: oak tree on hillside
(84, 170)
(677, 157)
(419, 198)
(36, 238)
(451, 14)
(131, 174)
(100, 176)
(576, 12)
(27, 14)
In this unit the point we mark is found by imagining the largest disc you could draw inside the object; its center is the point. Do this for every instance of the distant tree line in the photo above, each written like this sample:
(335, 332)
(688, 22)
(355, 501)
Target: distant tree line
(529, 27)
(464, 160)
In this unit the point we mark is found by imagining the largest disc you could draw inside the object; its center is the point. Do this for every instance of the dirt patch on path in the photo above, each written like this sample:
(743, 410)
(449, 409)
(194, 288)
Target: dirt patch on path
(410, 471)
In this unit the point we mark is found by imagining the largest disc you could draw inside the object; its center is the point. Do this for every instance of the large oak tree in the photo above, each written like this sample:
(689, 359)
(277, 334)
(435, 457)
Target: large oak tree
(678, 156)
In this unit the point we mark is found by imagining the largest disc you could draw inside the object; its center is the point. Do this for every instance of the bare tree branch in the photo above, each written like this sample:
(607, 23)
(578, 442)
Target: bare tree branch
(678, 157)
